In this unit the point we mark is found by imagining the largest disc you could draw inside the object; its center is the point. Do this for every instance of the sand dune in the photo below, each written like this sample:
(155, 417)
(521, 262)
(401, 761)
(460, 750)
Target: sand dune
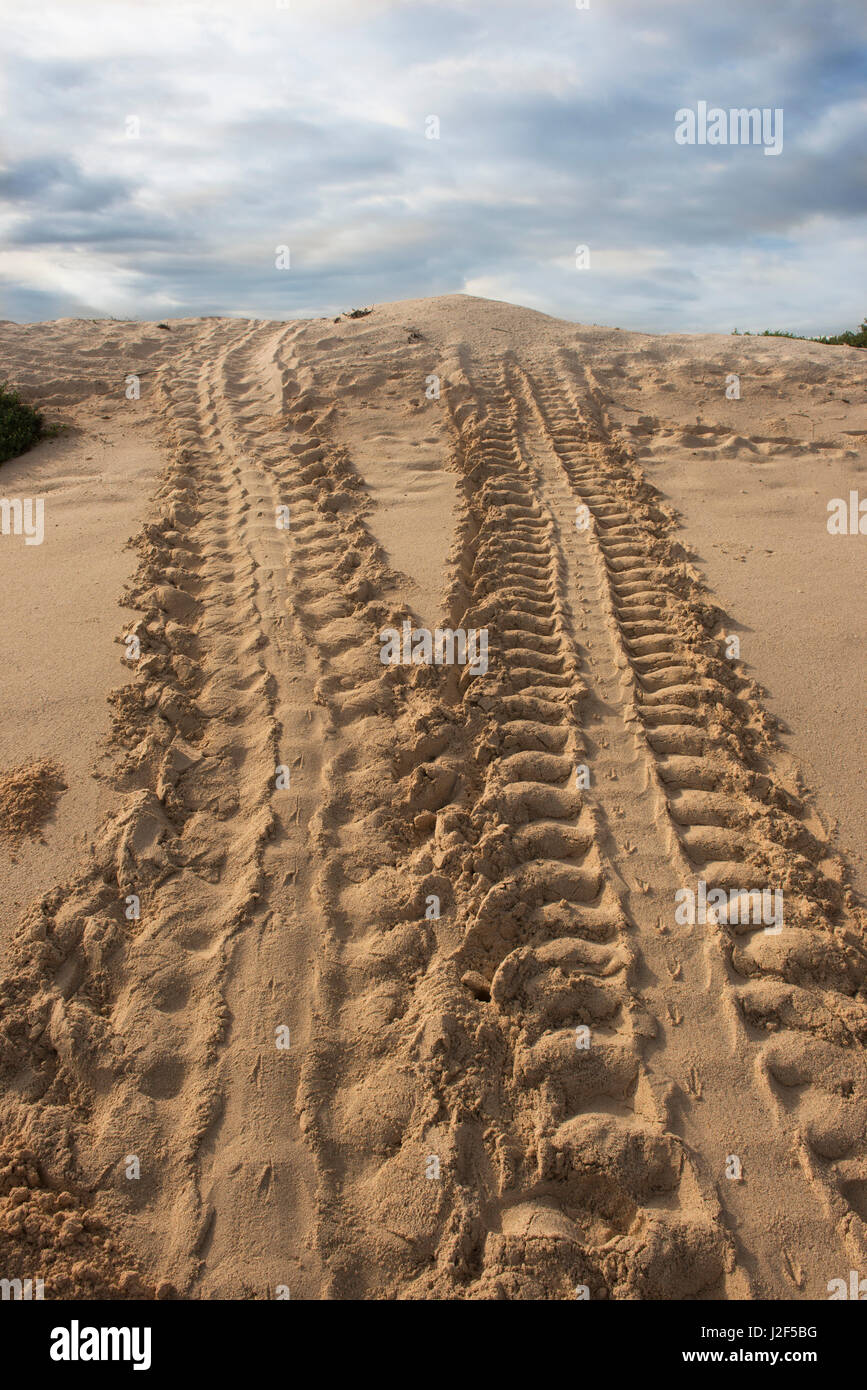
(240, 1052)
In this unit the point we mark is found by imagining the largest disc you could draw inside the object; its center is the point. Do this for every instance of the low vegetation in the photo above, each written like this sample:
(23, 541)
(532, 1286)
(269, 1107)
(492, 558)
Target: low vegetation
(857, 338)
(20, 425)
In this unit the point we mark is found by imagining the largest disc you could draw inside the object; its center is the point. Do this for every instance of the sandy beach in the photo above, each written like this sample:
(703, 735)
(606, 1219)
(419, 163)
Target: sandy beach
(365, 978)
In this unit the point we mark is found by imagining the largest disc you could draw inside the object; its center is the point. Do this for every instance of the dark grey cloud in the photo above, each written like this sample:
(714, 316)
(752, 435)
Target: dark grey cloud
(56, 181)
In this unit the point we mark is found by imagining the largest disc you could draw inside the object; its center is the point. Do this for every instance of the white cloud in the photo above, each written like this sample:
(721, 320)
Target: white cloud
(89, 278)
(261, 125)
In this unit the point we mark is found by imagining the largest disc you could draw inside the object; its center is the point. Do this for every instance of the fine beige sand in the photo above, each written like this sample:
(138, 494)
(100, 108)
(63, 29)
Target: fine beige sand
(339, 979)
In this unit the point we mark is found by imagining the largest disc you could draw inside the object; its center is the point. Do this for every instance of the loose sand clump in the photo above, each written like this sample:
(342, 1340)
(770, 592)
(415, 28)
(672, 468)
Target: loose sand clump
(49, 1235)
(28, 795)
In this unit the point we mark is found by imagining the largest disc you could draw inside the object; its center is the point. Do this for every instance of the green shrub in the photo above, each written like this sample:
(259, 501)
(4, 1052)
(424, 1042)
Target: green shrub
(20, 425)
(847, 339)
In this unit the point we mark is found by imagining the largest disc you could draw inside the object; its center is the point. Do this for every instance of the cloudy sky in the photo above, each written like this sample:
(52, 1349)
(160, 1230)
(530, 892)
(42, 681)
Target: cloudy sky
(306, 124)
